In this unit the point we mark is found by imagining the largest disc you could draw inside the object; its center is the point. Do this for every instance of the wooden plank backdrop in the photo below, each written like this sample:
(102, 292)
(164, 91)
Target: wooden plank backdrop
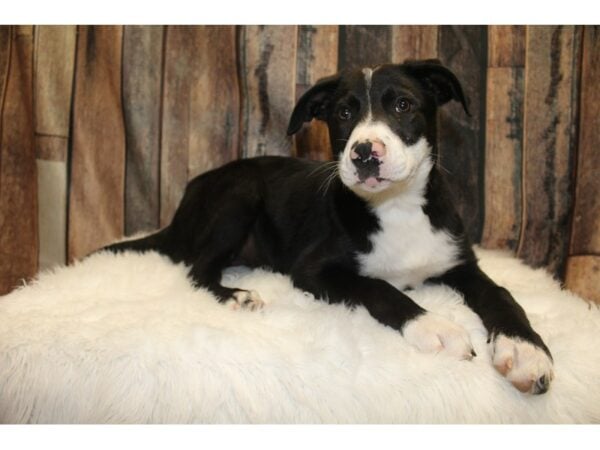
(118, 119)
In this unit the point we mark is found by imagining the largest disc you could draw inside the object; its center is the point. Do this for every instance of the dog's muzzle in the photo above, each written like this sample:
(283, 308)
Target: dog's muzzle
(366, 157)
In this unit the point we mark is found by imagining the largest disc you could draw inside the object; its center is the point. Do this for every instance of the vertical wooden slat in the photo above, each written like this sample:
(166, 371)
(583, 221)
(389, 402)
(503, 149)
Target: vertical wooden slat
(364, 45)
(98, 143)
(54, 59)
(414, 42)
(583, 267)
(215, 105)
(18, 188)
(461, 139)
(317, 57)
(586, 219)
(506, 46)
(582, 275)
(142, 83)
(268, 78)
(504, 137)
(551, 73)
(200, 107)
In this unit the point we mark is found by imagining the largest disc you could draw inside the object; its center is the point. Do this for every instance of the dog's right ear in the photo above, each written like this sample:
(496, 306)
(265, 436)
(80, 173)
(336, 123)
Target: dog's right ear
(313, 103)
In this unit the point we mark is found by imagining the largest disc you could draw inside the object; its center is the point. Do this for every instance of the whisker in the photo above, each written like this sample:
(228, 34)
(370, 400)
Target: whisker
(328, 165)
(327, 182)
(438, 163)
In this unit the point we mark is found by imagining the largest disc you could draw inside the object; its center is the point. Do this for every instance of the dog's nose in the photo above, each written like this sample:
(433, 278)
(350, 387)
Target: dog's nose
(362, 151)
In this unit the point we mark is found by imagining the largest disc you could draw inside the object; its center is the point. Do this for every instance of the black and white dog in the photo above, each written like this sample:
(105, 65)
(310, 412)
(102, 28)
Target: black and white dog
(350, 230)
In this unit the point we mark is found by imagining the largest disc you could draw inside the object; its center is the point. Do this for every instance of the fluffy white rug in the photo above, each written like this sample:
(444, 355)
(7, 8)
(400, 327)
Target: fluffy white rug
(122, 339)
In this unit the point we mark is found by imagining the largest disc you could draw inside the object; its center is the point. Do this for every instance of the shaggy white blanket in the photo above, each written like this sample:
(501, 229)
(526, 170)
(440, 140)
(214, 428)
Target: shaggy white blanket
(125, 338)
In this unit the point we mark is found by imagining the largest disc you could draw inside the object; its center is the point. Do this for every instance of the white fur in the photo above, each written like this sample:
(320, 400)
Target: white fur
(407, 250)
(125, 338)
(368, 77)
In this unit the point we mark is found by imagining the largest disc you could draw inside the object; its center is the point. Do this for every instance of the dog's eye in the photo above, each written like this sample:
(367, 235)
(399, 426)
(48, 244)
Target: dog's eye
(345, 113)
(402, 105)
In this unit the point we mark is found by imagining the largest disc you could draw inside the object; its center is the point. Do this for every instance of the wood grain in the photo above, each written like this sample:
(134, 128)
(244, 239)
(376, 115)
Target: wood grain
(506, 46)
(54, 61)
(142, 85)
(52, 212)
(364, 46)
(201, 107)
(585, 238)
(551, 73)
(317, 57)
(98, 143)
(215, 104)
(504, 137)
(53, 80)
(461, 139)
(5, 42)
(267, 61)
(414, 42)
(582, 275)
(503, 158)
(18, 187)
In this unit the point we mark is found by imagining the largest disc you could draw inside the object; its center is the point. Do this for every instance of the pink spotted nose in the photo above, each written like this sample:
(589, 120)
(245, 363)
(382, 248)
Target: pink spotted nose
(367, 150)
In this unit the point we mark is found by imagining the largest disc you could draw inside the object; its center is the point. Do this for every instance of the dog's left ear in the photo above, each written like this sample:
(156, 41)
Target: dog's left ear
(439, 80)
(313, 103)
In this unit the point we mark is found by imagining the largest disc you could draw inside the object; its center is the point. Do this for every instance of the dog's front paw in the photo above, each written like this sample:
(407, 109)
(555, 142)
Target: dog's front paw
(245, 300)
(432, 333)
(525, 365)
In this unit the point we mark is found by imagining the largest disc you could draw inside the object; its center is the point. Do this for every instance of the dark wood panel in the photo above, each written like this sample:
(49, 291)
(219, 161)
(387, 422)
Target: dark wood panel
(414, 42)
(18, 187)
(364, 45)
(267, 61)
(582, 275)
(97, 172)
(179, 66)
(551, 72)
(585, 238)
(506, 45)
(5, 41)
(142, 84)
(461, 139)
(317, 57)
(201, 107)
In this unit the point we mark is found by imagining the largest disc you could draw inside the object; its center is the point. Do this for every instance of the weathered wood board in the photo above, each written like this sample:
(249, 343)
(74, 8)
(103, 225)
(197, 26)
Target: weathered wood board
(97, 171)
(18, 186)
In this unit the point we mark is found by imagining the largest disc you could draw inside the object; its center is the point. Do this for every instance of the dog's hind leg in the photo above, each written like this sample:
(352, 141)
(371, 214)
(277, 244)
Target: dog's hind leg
(216, 247)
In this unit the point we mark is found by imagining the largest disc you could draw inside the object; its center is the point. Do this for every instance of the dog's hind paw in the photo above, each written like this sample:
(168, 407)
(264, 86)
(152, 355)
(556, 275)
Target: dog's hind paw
(525, 365)
(245, 300)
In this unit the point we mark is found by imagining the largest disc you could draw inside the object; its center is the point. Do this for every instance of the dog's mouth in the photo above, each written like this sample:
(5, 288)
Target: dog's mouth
(374, 182)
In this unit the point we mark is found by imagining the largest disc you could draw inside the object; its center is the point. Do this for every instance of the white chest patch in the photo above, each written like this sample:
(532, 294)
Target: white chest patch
(407, 250)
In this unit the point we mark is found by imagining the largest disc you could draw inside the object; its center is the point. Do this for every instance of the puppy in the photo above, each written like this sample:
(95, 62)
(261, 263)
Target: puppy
(362, 228)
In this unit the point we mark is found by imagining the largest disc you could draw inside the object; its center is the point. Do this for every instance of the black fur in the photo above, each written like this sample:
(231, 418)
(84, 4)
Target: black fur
(295, 217)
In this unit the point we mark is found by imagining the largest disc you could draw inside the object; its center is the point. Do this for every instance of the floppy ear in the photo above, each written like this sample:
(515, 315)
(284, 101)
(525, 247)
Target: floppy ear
(313, 103)
(439, 80)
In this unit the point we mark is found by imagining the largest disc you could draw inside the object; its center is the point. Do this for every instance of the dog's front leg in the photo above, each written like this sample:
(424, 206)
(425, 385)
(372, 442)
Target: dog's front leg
(518, 352)
(424, 330)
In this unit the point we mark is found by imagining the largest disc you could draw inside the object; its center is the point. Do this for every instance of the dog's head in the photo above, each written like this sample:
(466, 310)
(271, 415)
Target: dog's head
(381, 121)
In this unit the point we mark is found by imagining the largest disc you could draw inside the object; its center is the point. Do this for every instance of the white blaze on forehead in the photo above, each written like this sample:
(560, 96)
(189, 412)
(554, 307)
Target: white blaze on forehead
(368, 76)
